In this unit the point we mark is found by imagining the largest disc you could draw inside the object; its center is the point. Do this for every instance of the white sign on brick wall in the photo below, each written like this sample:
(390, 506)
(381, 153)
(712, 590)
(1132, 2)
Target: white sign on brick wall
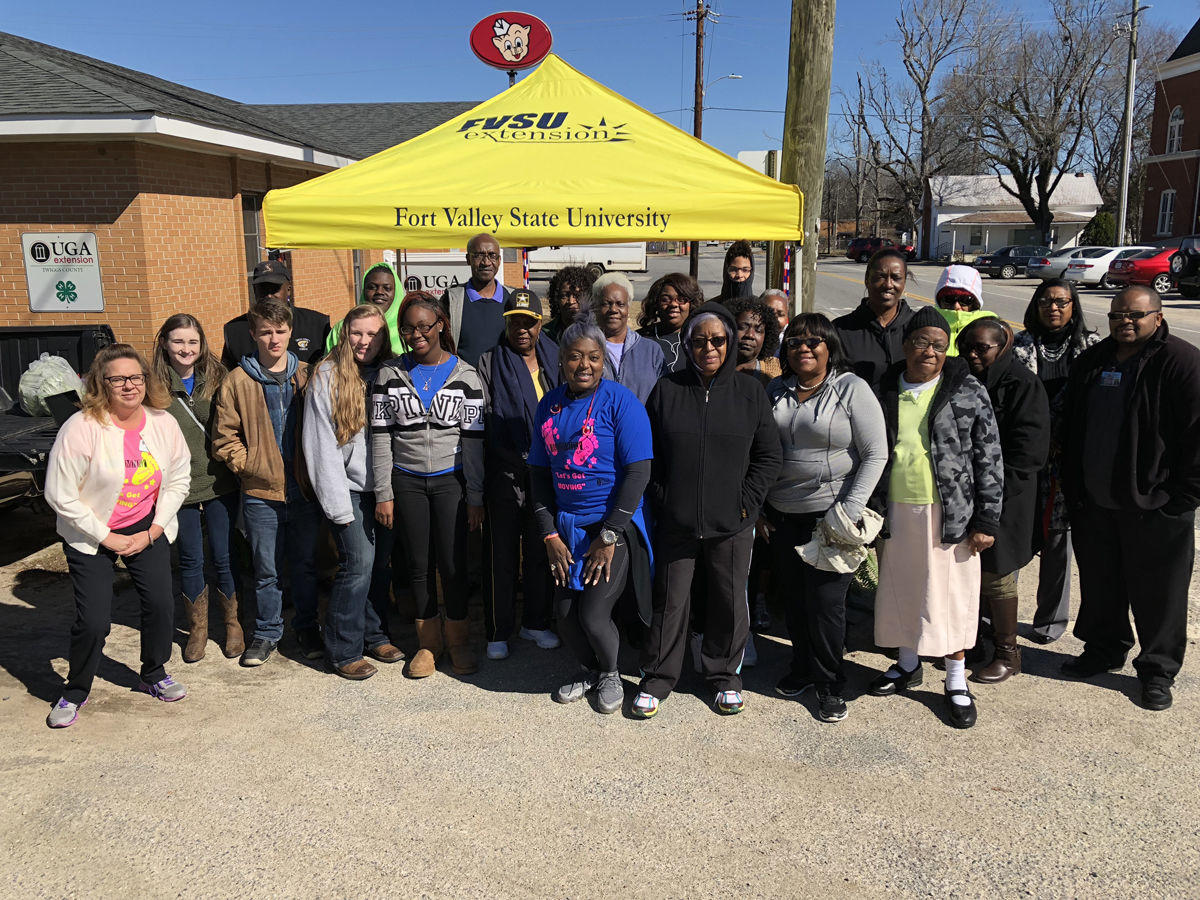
(62, 271)
(434, 271)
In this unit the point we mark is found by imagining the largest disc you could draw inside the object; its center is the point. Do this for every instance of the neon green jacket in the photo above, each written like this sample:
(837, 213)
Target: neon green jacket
(958, 320)
(391, 315)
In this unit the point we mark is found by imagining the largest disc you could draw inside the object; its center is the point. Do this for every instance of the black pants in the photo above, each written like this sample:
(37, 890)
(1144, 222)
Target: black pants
(814, 601)
(92, 580)
(585, 618)
(1140, 561)
(512, 539)
(432, 512)
(725, 563)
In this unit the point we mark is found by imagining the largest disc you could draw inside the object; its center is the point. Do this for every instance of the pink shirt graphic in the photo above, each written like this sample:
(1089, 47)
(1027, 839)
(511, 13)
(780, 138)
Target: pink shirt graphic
(143, 477)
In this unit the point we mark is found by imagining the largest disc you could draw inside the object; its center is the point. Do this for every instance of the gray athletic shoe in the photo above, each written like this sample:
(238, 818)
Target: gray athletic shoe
(168, 689)
(610, 693)
(63, 713)
(575, 690)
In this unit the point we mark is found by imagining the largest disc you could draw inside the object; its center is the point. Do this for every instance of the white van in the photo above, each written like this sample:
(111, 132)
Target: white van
(596, 258)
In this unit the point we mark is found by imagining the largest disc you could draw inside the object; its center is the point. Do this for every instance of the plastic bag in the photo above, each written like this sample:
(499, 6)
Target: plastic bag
(46, 376)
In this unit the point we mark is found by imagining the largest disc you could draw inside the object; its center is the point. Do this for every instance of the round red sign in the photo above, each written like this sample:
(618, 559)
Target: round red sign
(511, 40)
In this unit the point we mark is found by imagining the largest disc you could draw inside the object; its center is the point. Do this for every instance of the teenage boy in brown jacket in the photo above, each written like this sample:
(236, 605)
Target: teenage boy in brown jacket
(256, 432)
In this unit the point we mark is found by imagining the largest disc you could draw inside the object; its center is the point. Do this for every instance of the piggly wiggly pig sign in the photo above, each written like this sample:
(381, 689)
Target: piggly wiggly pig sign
(511, 40)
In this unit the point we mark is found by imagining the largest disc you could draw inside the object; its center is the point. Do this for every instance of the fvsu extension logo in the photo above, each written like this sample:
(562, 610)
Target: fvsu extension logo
(541, 127)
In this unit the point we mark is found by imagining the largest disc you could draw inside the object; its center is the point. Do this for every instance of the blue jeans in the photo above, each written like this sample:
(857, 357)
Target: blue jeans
(281, 532)
(219, 515)
(359, 600)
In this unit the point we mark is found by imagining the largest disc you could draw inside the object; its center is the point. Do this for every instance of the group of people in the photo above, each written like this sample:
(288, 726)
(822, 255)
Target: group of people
(627, 483)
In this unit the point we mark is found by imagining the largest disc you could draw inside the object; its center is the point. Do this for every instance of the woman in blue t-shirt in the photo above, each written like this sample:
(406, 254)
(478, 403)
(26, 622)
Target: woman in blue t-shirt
(590, 463)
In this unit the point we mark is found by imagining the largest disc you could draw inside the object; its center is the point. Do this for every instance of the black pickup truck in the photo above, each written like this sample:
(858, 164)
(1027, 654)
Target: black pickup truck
(25, 440)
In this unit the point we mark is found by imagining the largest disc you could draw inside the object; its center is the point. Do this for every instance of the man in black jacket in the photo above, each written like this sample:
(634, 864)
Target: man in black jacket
(310, 329)
(716, 453)
(873, 335)
(1131, 475)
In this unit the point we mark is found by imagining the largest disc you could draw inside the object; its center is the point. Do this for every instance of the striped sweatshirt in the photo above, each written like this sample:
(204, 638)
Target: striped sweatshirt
(446, 435)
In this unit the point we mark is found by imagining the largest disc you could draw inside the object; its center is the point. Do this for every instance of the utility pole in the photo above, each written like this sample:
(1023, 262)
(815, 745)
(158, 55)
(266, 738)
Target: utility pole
(1127, 122)
(701, 15)
(806, 114)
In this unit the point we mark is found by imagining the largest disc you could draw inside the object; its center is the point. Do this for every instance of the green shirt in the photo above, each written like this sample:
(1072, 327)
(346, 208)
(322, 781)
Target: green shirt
(911, 479)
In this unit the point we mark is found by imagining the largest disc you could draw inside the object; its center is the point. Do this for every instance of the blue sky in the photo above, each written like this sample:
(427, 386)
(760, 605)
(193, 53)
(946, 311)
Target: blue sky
(374, 51)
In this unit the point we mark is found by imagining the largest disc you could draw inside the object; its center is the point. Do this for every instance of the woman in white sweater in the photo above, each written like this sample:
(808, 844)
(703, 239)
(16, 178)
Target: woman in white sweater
(338, 456)
(116, 477)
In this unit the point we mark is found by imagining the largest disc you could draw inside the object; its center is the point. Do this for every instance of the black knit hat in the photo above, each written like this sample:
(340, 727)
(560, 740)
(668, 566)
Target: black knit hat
(926, 317)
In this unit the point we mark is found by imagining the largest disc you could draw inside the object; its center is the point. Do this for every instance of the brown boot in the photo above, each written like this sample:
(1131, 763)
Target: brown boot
(458, 641)
(235, 639)
(1007, 660)
(197, 616)
(429, 637)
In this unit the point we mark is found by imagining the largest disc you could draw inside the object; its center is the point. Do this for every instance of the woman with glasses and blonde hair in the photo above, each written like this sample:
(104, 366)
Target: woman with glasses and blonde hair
(191, 374)
(117, 475)
(427, 457)
(337, 453)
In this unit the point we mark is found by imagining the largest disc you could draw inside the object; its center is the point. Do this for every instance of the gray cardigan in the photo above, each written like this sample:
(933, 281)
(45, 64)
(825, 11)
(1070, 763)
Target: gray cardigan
(834, 445)
(334, 471)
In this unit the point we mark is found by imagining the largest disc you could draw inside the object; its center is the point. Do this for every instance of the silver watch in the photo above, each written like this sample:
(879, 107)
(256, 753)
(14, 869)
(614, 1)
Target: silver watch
(608, 537)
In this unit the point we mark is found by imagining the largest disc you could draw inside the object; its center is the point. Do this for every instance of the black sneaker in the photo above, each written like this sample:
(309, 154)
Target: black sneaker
(830, 706)
(310, 643)
(792, 685)
(258, 652)
(1156, 695)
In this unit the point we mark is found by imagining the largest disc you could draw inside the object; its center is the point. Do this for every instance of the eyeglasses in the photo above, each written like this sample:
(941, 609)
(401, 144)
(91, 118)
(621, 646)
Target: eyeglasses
(1056, 302)
(738, 270)
(1132, 314)
(119, 381)
(795, 343)
(410, 330)
(718, 341)
(924, 344)
(482, 255)
(978, 349)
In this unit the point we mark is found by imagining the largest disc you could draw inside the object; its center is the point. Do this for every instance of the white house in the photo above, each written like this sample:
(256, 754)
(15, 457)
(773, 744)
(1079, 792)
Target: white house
(973, 214)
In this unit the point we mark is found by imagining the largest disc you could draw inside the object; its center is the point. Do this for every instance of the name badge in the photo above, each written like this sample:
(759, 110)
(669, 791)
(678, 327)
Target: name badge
(1110, 379)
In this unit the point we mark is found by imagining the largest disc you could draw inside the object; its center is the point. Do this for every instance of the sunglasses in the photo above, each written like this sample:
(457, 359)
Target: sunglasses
(795, 343)
(1056, 302)
(979, 349)
(700, 343)
(1134, 315)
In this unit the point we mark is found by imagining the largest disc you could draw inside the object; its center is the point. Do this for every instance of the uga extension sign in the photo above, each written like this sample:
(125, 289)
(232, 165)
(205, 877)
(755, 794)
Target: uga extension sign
(63, 272)
(511, 40)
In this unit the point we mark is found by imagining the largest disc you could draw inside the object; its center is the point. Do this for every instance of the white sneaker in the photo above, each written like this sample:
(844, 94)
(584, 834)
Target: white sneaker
(697, 643)
(497, 650)
(543, 637)
(63, 713)
(750, 654)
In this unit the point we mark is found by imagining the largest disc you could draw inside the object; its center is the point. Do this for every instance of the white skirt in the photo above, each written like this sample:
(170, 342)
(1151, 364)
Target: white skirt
(928, 595)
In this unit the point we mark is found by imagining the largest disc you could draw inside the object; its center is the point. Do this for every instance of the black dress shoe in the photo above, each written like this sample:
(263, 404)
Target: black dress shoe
(885, 686)
(1156, 695)
(1089, 665)
(961, 716)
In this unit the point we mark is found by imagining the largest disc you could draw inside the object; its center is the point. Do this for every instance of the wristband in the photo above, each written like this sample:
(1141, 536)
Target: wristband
(150, 538)
(550, 536)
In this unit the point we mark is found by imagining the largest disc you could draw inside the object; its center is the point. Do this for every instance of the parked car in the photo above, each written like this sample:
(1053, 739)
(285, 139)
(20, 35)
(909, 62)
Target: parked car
(861, 248)
(1093, 271)
(1185, 267)
(1053, 266)
(1009, 262)
(1152, 267)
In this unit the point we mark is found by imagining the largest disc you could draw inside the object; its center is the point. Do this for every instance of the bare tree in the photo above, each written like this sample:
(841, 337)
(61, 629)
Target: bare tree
(912, 142)
(1033, 92)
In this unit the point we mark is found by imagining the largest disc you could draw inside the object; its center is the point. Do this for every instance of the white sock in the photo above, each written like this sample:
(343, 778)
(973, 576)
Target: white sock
(956, 680)
(908, 659)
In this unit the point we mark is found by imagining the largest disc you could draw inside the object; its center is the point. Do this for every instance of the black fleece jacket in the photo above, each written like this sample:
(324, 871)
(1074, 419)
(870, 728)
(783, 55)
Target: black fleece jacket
(1158, 453)
(716, 448)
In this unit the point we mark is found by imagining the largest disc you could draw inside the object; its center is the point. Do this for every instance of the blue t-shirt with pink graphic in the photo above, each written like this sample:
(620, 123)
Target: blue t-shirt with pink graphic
(587, 443)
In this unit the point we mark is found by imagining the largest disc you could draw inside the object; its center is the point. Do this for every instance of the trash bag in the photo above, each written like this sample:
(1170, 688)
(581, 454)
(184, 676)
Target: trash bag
(46, 376)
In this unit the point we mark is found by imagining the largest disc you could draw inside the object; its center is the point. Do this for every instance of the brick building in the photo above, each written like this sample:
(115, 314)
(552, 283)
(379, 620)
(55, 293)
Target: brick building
(1172, 201)
(171, 181)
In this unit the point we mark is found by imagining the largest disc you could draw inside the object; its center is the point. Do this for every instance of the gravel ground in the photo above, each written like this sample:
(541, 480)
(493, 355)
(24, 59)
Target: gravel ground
(287, 781)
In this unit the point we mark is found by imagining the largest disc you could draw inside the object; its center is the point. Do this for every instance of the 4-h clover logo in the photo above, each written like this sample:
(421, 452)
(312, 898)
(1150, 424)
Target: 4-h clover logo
(66, 291)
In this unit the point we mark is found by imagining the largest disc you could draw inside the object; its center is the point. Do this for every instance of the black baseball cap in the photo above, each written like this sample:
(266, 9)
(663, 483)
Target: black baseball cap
(523, 302)
(271, 271)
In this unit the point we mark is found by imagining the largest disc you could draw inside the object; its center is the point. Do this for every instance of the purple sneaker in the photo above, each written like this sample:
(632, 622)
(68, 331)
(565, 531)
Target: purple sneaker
(64, 713)
(168, 689)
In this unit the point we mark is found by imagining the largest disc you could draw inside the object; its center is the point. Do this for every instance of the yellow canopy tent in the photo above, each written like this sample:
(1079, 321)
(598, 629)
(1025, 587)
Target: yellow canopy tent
(555, 159)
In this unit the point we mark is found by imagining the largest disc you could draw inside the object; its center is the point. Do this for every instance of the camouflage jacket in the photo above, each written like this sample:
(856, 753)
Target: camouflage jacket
(968, 467)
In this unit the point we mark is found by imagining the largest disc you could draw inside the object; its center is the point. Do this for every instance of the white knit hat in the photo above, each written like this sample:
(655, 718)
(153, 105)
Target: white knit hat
(963, 278)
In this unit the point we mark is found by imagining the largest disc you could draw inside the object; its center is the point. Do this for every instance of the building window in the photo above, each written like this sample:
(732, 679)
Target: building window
(1166, 212)
(976, 238)
(1175, 130)
(252, 233)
